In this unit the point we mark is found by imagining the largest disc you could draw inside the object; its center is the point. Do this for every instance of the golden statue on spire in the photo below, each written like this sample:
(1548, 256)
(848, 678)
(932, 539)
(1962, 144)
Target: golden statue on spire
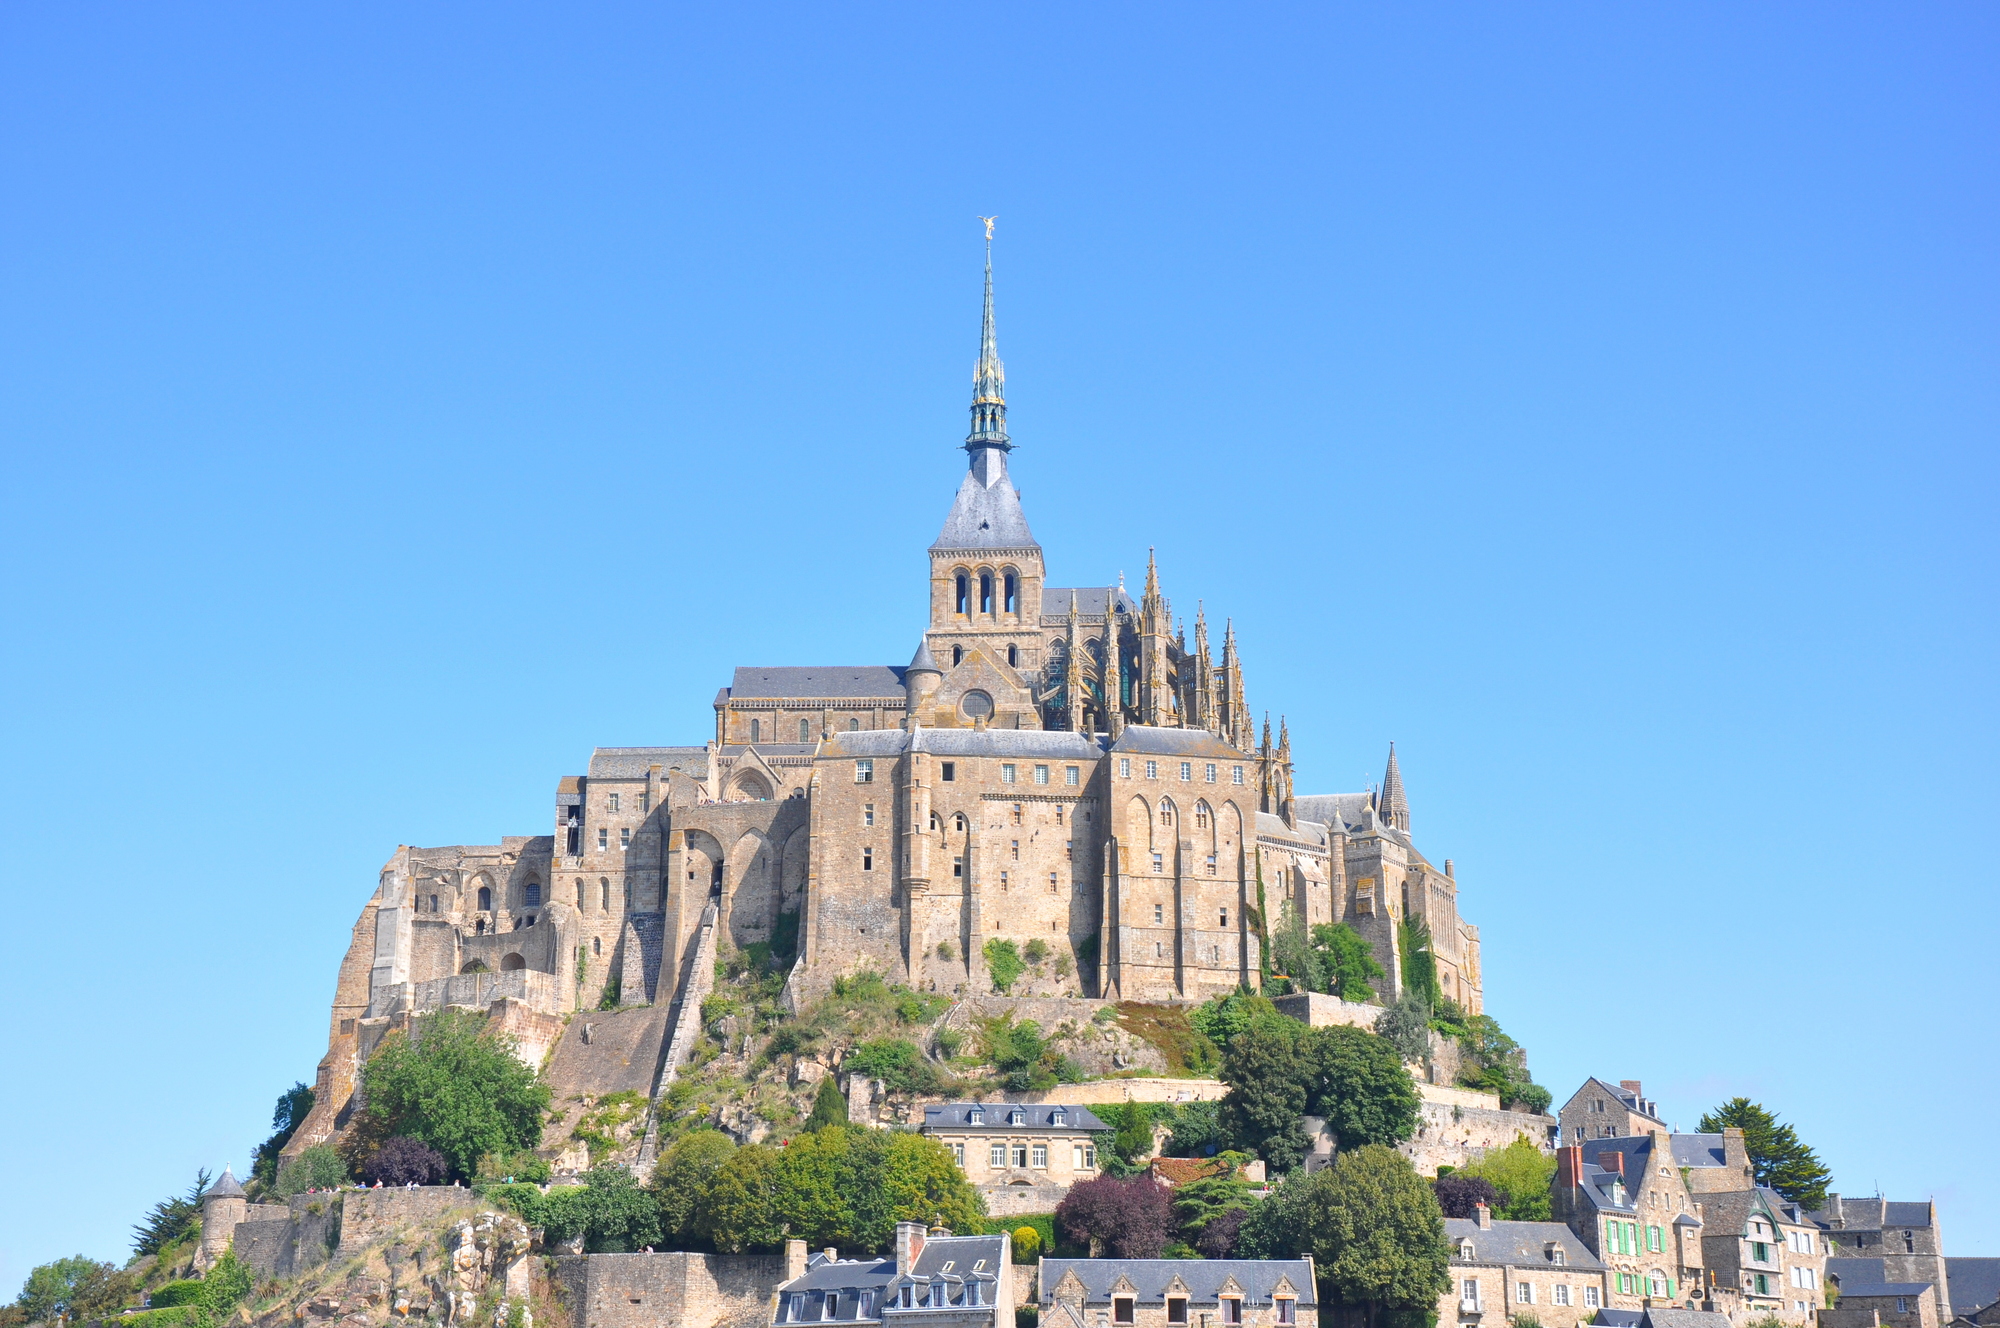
(989, 227)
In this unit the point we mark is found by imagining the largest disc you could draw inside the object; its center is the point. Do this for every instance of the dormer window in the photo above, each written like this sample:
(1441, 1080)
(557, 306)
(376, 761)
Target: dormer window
(975, 1117)
(1465, 1250)
(1017, 1117)
(1057, 1118)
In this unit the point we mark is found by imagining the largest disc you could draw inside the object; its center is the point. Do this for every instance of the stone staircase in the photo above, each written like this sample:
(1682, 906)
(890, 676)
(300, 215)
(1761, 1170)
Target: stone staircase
(697, 981)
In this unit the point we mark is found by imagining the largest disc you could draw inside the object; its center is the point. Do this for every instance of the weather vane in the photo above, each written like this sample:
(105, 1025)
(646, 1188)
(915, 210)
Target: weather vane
(989, 227)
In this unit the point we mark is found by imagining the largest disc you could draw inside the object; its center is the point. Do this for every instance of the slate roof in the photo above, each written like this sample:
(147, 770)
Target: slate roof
(1699, 1150)
(951, 1259)
(1090, 600)
(1519, 1243)
(849, 681)
(986, 515)
(1144, 740)
(1870, 1213)
(1870, 1277)
(633, 762)
(957, 1115)
(1897, 1214)
(1203, 1278)
(226, 1188)
(1661, 1318)
(1274, 826)
(1325, 808)
(922, 660)
(1974, 1284)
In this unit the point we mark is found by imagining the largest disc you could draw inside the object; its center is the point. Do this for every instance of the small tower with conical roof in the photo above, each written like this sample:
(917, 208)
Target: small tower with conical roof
(223, 1206)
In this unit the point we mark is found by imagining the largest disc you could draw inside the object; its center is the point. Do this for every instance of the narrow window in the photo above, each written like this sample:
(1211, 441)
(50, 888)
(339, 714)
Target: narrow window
(936, 824)
(1072, 776)
(597, 945)
(1013, 656)
(864, 771)
(854, 726)
(1590, 1297)
(532, 894)
(1003, 878)
(996, 1156)
(1012, 585)
(1124, 767)
(958, 1152)
(1187, 771)
(1159, 910)
(1236, 774)
(1041, 1157)
(867, 1310)
(798, 1306)
(1562, 1295)
(1166, 813)
(1152, 769)
(958, 822)
(756, 730)
(614, 802)
(604, 893)
(1017, 813)
(986, 592)
(1524, 1293)
(1159, 864)
(1069, 853)
(960, 581)
(434, 903)
(1041, 774)
(1052, 883)
(1059, 814)
(948, 771)
(1201, 816)
(867, 859)
(579, 894)
(805, 731)
(1006, 774)
(1208, 772)
(958, 866)
(1211, 864)
(1225, 917)
(603, 838)
(957, 656)
(1014, 848)
(624, 836)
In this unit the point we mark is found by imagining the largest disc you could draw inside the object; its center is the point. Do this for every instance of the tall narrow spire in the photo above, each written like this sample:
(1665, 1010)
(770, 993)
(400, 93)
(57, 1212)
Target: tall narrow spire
(1395, 806)
(989, 378)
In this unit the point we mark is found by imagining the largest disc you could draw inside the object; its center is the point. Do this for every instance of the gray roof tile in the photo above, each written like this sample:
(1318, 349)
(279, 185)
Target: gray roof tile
(1258, 1278)
(822, 681)
(1518, 1242)
(1974, 1284)
(1036, 1116)
(1142, 740)
(633, 762)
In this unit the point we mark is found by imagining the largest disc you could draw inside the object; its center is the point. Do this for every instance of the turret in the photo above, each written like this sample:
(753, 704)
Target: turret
(223, 1206)
(1395, 808)
(921, 679)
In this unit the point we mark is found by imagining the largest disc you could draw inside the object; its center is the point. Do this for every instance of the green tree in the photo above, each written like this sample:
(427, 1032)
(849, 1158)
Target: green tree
(1778, 1158)
(1200, 1201)
(316, 1168)
(902, 1177)
(829, 1106)
(1197, 1130)
(683, 1177)
(1222, 1019)
(1003, 963)
(1521, 1174)
(171, 1218)
(1373, 1228)
(1356, 1081)
(222, 1290)
(294, 1104)
(72, 1288)
(458, 1086)
(843, 1187)
(742, 1209)
(1407, 1026)
(617, 1216)
(1266, 1098)
(1347, 960)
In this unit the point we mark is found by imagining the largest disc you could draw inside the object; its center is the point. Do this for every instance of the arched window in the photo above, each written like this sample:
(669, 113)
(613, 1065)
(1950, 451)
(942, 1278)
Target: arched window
(532, 895)
(960, 582)
(1013, 587)
(986, 592)
(1013, 654)
(1166, 812)
(957, 656)
(597, 945)
(604, 893)
(579, 892)
(935, 823)
(805, 731)
(854, 726)
(509, 963)
(485, 900)
(756, 730)
(1201, 816)
(958, 821)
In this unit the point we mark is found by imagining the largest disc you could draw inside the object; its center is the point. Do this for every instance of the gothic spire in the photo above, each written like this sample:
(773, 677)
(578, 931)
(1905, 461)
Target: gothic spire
(989, 378)
(1395, 807)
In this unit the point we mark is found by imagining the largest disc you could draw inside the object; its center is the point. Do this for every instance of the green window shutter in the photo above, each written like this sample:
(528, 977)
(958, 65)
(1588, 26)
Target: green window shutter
(1670, 1288)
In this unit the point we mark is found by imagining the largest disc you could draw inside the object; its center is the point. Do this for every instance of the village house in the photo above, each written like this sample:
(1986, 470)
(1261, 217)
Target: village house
(1903, 1237)
(1625, 1200)
(1763, 1247)
(933, 1278)
(1598, 1110)
(1023, 1158)
(1504, 1270)
(1199, 1293)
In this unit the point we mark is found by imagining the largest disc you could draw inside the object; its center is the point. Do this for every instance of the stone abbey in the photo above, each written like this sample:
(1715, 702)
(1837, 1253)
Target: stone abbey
(1063, 764)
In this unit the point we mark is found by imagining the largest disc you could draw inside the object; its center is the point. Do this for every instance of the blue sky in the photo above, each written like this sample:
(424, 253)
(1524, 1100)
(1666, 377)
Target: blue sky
(398, 401)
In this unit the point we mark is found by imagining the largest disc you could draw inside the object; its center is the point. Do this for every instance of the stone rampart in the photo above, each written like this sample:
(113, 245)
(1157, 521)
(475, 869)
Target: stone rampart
(301, 1239)
(1453, 1133)
(370, 1216)
(1322, 1011)
(480, 990)
(679, 1289)
(1007, 1200)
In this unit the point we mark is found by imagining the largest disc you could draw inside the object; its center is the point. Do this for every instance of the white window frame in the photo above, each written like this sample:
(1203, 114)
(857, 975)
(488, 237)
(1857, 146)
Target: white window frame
(864, 770)
(1152, 769)
(1560, 1294)
(1236, 774)
(1038, 1157)
(1007, 772)
(996, 1156)
(1208, 773)
(1041, 774)
(612, 801)
(1124, 767)
(624, 836)
(868, 814)
(1072, 775)
(1187, 772)
(1524, 1293)
(603, 839)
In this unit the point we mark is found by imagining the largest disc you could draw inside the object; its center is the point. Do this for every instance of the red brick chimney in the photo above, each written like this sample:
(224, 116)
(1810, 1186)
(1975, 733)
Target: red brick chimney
(1612, 1161)
(1631, 1086)
(909, 1244)
(1569, 1166)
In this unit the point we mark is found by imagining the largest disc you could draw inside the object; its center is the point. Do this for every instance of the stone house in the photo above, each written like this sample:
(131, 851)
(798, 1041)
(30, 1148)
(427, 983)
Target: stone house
(1501, 1270)
(1713, 1163)
(1598, 1110)
(1022, 1157)
(1625, 1200)
(1761, 1246)
(1903, 1235)
(1155, 1293)
(1864, 1290)
(931, 1277)
(1975, 1290)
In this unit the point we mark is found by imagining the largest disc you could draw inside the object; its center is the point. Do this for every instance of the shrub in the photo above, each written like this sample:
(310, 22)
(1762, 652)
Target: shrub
(1027, 1243)
(317, 1168)
(405, 1161)
(1407, 1027)
(1062, 965)
(1520, 1174)
(1129, 1218)
(184, 1292)
(1003, 963)
(1197, 1131)
(509, 1167)
(1459, 1194)
(896, 1062)
(1035, 951)
(946, 950)
(1019, 1052)
(829, 1106)
(609, 1210)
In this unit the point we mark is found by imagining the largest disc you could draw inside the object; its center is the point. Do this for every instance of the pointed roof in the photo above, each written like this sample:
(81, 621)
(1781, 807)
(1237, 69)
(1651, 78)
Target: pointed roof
(987, 512)
(922, 659)
(1394, 805)
(226, 1188)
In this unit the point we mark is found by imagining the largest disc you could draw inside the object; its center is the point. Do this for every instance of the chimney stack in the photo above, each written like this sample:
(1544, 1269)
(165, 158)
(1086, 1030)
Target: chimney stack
(1569, 1166)
(795, 1259)
(909, 1244)
(1612, 1161)
(1483, 1216)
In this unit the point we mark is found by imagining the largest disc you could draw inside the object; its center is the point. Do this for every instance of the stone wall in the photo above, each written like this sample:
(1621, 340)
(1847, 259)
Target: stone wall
(285, 1246)
(1007, 1200)
(1323, 1011)
(1456, 1126)
(370, 1216)
(678, 1289)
